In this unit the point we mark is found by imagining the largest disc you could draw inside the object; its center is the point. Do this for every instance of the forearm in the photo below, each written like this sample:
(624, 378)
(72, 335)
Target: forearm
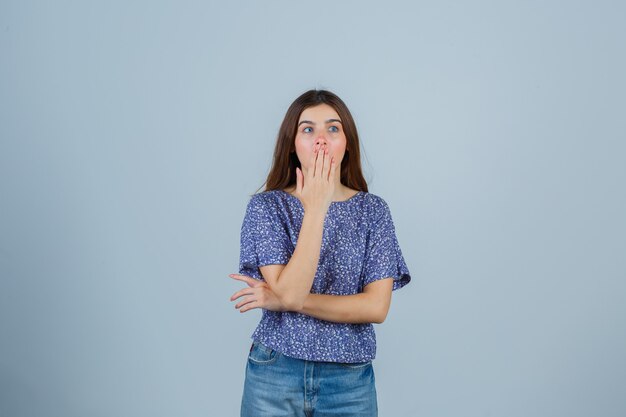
(354, 308)
(296, 279)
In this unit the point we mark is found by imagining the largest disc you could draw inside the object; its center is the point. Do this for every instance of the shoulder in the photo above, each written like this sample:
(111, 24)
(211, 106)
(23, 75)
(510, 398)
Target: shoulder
(266, 203)
(374, 199)
(377, 212)
(375, 205)
(264, 198)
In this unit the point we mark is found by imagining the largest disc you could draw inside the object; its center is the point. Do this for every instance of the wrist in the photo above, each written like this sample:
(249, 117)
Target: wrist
(315, 213)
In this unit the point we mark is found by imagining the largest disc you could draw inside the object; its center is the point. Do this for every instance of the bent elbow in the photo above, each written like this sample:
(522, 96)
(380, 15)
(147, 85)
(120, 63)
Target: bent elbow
(381, 316)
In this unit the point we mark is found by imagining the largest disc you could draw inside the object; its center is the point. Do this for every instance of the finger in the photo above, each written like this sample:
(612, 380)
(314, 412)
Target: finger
(241, 293)
(299, 181)
(312, 162)
(333, 168)
(319, 163)
(247, 304)
(250, 306)
(248, 280)
(326, 164)
(246, 301)
(237, 295)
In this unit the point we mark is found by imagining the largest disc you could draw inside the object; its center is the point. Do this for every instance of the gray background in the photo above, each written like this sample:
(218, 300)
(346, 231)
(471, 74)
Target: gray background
(132, 134)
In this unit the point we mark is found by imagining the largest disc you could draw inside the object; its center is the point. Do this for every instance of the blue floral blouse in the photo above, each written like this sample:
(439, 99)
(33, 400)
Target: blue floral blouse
(359, 246)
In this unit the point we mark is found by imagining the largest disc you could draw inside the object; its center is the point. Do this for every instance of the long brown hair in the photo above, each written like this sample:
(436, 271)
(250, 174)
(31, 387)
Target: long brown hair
(285, 160)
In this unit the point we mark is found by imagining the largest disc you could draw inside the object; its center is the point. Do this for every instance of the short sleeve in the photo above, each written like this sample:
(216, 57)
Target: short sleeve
(383, 257)
(264, 238)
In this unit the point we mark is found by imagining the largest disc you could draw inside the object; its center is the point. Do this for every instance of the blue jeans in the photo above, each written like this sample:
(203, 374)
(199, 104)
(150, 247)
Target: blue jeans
(278, 385)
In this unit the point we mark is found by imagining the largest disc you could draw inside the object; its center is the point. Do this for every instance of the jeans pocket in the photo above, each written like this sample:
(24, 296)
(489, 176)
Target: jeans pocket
(261, 354)
(356, 365)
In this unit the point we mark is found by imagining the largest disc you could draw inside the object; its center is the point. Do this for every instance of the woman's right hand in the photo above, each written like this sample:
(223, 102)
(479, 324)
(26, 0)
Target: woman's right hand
(316, 189)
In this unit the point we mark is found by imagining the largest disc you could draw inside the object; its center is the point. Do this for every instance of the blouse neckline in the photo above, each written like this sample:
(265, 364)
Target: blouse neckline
(332, 202)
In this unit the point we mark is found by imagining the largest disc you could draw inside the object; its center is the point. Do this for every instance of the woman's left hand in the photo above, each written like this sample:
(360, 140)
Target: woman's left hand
(260, 295)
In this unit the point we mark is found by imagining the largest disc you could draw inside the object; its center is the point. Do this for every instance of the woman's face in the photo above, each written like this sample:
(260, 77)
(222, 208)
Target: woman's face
(320, 125)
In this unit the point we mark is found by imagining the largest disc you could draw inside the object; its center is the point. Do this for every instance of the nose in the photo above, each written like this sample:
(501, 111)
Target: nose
(321, 140)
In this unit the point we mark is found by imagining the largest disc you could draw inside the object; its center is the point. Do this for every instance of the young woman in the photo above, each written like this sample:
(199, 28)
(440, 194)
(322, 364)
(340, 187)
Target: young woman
(320, 256)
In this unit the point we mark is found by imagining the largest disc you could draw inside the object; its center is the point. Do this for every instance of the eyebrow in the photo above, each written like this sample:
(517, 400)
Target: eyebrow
(327, 121)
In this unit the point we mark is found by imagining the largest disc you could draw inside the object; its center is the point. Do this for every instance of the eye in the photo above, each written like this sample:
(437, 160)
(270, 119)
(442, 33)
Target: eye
(307, 131)
(334, 127)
